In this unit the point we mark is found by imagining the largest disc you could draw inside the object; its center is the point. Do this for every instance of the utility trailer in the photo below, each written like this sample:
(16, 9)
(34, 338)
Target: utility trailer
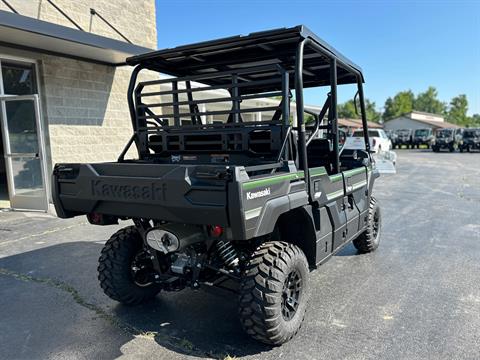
(219, 196)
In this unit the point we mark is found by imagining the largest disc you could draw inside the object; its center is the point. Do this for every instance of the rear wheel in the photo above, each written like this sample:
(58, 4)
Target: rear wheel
(274, 292)
(435, 148)
(369, 240)
(122, 270)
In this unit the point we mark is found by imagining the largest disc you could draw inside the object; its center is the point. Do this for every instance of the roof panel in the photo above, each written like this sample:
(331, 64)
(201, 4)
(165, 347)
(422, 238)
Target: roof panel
(277, 46)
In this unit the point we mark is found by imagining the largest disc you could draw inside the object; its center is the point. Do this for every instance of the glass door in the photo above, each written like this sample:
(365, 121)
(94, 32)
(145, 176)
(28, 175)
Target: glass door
(22, 136)
(24, 152)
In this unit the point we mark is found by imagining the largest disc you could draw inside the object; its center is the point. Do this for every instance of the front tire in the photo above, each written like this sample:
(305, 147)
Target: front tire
(369, 240)
(115, 269)
(274, 292)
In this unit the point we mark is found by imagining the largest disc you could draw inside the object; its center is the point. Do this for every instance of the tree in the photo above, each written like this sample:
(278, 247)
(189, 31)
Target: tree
(400, 104)
(474, 121)
(372, 113)
(347, 111)
(428, 102)
(457, 112)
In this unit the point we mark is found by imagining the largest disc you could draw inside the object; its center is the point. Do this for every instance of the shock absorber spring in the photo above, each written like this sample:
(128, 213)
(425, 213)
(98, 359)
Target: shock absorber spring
(227, 253)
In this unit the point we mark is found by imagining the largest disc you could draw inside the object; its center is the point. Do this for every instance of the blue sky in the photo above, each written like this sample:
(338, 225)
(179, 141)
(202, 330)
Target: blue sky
(399, 44)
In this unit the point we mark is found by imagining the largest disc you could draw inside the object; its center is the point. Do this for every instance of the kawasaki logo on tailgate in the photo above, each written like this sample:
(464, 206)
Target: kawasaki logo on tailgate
(152, 191)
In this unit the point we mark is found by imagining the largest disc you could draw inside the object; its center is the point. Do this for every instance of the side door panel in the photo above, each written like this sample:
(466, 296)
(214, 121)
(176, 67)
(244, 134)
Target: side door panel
(339, 221)
(355, 199)
(324, 234)
(328, 191)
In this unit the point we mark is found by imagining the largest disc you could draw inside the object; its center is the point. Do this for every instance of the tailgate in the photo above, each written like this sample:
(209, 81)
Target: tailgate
(178, 193)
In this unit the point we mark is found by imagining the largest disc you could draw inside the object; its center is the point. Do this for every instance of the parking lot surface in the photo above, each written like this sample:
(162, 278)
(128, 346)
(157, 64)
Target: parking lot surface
(417, 297)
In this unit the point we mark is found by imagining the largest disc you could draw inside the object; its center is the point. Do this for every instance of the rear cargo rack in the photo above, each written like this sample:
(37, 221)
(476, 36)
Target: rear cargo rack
(171, 116)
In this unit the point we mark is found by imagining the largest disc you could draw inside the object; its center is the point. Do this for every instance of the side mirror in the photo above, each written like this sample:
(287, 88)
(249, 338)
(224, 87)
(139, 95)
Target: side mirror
(355, 98)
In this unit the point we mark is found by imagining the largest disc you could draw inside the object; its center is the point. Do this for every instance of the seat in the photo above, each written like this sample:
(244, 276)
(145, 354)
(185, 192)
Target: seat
(318, 154)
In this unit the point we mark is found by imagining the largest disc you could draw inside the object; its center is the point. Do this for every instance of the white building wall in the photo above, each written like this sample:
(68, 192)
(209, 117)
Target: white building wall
(426, 116)
(405, 123)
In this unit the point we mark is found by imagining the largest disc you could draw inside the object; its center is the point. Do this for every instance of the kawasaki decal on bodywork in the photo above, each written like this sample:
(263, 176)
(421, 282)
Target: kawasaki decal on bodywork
(258, 194)
(272, 180)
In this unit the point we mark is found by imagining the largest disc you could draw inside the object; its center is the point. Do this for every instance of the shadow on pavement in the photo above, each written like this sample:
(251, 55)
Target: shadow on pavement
(200, 323)
(348, 250)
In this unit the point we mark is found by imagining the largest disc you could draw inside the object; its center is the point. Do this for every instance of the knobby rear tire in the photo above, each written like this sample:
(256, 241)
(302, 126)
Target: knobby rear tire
(114, 269)
(265, 305)
(369, 240)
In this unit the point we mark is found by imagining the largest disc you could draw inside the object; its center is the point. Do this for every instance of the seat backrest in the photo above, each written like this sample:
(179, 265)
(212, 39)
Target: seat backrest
(318, 153)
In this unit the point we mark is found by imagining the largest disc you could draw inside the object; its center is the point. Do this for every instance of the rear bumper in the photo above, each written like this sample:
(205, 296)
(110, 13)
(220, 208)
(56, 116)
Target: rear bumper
(470, 145)
(443, 145)
(422, 142)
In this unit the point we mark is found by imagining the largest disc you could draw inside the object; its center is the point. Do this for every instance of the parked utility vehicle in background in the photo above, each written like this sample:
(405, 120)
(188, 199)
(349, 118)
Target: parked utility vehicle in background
(470, 140)
(257, 202)
(422, 137)
(392, 135)
(404, 137)
(446, 139)
(379, 140)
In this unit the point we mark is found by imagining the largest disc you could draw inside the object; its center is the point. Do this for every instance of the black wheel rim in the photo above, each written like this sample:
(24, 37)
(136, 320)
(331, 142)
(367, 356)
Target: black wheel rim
(292, 289)
(140, 270)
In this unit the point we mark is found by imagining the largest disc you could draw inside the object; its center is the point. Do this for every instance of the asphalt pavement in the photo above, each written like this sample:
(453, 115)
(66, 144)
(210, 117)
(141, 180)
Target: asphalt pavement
(417, 297)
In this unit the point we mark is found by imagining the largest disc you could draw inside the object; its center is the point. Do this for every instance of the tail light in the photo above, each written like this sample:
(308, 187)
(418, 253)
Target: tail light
(216, 230)
(101, 219)
(374, 142)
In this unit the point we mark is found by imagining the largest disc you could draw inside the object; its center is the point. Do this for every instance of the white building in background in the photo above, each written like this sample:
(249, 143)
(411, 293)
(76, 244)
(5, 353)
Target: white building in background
(418, 120)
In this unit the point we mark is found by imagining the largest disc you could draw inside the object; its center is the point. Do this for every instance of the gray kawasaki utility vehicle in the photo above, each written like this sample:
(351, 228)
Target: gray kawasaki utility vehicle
(422, 137)
(221, 195)
(404, 137)
(448, 139)
(470, 140)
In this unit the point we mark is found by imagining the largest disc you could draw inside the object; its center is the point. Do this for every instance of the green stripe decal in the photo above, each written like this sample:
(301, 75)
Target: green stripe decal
(335, 194)
(272, 180)
(335, 178)
(358, 185)
(318, 171)
(354, 171)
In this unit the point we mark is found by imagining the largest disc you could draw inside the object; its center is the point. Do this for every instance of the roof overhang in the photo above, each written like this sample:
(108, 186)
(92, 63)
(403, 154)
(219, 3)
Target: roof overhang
(40, 36)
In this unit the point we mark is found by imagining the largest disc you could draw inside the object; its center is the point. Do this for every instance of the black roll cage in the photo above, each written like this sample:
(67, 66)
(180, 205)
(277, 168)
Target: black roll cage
(334, 63)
